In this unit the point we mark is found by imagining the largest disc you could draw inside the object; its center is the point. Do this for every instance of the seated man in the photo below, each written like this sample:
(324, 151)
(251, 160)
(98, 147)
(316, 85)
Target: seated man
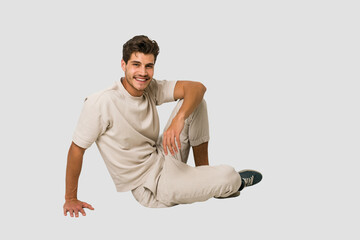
(124, 123)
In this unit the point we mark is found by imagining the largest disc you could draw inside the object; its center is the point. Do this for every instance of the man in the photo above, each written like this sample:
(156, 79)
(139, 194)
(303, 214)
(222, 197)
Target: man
(124, 123)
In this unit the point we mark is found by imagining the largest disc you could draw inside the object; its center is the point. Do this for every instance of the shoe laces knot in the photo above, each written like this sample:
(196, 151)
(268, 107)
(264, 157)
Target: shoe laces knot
(249, 181)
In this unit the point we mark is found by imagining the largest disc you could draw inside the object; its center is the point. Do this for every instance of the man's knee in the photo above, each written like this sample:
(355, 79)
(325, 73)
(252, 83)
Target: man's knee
(228, 176)
(202, 105)
(200, 112)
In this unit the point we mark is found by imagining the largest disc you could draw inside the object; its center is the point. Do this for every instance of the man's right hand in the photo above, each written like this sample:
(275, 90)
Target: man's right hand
(75, 206)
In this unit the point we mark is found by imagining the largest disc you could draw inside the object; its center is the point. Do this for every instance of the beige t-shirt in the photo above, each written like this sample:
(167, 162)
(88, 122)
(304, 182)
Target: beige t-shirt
(125, 129)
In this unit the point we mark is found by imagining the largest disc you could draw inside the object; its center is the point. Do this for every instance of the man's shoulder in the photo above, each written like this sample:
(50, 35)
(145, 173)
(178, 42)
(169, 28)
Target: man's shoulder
(102, 96)
(160, 84)
(153, 83)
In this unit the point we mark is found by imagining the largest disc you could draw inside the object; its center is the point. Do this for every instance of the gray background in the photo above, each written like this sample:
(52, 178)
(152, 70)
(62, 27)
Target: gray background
(283, 98)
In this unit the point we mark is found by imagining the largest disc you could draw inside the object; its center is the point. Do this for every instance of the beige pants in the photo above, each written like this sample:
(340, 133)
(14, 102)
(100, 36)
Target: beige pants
(178, 183)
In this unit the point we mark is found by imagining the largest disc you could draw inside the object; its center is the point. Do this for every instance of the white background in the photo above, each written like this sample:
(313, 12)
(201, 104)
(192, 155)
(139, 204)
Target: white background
(283, 98)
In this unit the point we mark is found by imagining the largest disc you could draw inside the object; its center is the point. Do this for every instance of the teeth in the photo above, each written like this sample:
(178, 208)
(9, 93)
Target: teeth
(141, 80)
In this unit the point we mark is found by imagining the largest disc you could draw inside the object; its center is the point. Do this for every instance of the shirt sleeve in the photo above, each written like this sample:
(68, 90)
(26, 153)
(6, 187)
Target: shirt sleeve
(164, 91)
(90, 124)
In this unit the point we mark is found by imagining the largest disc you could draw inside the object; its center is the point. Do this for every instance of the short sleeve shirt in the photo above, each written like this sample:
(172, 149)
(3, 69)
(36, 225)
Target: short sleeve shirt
(125, 129)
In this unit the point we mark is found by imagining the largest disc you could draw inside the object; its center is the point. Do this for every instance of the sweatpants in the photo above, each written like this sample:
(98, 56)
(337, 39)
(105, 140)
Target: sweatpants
(174, 181)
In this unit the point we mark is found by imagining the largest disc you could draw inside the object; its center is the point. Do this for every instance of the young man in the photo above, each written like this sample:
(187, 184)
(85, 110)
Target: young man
(124, 123)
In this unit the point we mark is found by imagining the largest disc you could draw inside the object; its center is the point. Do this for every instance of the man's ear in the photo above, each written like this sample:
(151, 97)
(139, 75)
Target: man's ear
(123, 64)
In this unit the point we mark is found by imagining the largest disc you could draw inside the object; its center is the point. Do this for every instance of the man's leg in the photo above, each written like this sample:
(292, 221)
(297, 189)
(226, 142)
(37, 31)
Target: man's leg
(181, 183)
(195, 135)
(201, 154)
(199, 135)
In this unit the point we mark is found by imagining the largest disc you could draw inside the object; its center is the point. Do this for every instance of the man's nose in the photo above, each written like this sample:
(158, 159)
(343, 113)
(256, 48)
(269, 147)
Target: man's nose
(143, 71)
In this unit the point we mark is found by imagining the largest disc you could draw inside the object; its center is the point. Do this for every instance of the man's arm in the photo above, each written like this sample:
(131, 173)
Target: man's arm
(73, 169)
(192, 93)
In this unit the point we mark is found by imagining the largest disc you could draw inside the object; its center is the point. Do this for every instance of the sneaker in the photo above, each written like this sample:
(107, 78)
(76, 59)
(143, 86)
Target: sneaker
(249, 178)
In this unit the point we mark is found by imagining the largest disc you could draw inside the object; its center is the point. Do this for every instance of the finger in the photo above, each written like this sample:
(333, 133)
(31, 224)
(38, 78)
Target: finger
(82, 212)
(86, 205)
(164, 145)
(173, 145)
(169, 146)
(76, 213)
(65, 212)
(178, 141)
(71, 213)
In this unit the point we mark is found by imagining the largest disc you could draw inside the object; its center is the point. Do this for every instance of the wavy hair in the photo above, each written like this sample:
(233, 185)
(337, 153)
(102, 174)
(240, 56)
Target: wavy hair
(141, 44)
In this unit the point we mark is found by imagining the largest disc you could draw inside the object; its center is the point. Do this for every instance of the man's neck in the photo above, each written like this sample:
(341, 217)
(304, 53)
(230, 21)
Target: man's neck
(130, 89)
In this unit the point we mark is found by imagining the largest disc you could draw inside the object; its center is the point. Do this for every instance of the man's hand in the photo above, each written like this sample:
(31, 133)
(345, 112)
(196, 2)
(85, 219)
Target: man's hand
(172, 133)
(192, 93)
(75, 206)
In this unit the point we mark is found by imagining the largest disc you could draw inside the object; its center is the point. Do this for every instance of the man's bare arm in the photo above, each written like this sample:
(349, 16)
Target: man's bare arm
(192, 93)
(73, 169)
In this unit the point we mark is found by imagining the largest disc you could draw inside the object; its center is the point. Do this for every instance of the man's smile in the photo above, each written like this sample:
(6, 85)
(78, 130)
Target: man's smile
(141, 79)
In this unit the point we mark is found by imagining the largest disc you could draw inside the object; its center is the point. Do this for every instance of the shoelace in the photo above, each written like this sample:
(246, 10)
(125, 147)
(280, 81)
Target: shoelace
(249, 181)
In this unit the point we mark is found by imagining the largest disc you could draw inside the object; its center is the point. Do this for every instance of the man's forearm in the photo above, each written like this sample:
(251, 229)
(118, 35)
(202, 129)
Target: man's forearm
(73, 169)
(193, 94)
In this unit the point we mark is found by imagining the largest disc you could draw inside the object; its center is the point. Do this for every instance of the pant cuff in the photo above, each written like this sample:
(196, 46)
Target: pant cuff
(199, 141)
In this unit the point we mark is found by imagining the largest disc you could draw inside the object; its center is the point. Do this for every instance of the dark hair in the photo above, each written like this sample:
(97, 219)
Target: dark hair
(141, 44)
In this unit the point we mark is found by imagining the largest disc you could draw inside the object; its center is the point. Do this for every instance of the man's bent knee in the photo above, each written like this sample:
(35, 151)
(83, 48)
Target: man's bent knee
(228, 176)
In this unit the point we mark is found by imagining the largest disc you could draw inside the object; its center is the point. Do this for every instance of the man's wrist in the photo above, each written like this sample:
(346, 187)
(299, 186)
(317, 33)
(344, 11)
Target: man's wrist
(71, 199)
(180, 116)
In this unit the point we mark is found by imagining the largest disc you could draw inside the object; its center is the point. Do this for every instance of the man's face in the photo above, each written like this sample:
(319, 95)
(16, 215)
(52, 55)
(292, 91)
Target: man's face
(138, 72)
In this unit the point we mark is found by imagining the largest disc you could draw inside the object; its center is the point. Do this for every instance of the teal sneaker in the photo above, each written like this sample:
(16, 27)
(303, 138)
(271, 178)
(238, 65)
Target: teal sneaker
(249, 178)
